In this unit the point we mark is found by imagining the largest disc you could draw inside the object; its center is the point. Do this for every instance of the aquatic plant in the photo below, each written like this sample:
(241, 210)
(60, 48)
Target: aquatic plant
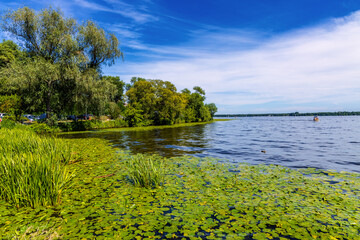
(199, 199)
(32, 168)
(145, 171)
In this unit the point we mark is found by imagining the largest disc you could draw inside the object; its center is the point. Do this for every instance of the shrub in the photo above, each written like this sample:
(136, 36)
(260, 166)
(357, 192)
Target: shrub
(145, 171)
(91, 124)
(7, 123)
(42, 128)
(95, 124)
(103, 118)
(65, 126)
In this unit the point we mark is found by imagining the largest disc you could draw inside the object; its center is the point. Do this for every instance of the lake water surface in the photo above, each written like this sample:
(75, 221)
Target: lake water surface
(296, 142)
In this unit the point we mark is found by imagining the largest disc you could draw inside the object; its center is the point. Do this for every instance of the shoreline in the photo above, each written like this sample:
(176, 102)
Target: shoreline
(146, 128)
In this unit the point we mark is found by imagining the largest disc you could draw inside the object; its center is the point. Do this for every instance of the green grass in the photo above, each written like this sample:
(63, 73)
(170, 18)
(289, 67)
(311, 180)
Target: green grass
(145, 171)
(32, 168)
(148, 128)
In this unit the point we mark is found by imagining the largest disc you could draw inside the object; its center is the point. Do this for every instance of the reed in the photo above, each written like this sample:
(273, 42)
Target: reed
(32, 168)
(145, 171)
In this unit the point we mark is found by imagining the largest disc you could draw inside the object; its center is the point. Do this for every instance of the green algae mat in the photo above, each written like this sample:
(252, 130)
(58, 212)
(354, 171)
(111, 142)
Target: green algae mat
(199, 199)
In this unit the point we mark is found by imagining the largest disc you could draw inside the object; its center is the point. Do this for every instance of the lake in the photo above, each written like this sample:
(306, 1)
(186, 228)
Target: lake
(296, 142)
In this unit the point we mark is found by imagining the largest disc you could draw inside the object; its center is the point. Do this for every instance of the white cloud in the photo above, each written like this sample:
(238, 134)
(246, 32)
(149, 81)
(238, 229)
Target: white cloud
(319, 65)
(118, 7)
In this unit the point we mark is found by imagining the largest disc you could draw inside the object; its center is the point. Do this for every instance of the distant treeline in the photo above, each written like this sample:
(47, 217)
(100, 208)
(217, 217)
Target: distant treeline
(290, 114)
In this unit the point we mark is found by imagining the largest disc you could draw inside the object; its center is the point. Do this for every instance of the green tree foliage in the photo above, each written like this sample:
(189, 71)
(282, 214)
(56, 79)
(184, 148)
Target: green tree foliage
(134, 117)
(9, 52)
(35, 82)
(92, 93)
(119, 94)
(159, 103)
(61, 74)
(196, 110)
(98, 46)
(169, 103)
(141, 96)
(46, 34)
(10, 105)
(212, 108)
(113, 110)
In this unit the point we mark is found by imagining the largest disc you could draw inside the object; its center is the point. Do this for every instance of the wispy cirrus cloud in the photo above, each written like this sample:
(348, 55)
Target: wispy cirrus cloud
(310, 69)
(119, 7)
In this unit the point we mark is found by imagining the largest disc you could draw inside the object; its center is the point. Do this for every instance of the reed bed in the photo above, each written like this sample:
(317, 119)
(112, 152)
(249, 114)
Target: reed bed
(32, 168)
(145, 171)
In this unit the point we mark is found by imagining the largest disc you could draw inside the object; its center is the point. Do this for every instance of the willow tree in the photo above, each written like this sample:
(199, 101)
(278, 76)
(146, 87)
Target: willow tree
(9, 53)
(65, 51)
(99, 47)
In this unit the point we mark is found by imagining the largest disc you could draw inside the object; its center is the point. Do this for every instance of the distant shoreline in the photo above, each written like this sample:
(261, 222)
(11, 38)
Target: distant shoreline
(290, 114)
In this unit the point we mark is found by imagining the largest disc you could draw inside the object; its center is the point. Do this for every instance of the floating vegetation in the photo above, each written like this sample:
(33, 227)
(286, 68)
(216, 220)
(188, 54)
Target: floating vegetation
(199, 199)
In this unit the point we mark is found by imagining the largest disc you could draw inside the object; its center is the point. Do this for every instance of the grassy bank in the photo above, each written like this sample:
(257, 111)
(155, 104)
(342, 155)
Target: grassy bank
(147, 128)
(32, 168)
(194, 199)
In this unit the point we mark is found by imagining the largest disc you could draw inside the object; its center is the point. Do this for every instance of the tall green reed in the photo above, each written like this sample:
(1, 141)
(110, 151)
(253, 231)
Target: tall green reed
(32, 168)
(145, 171)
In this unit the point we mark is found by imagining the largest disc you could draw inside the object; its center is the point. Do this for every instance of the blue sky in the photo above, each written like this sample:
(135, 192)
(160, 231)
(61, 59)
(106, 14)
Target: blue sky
(250, 56)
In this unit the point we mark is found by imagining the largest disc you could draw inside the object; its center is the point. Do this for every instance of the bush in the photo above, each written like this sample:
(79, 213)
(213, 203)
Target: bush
(32, 168)
(103, 118)
(115, 123)
(145, 171)
(91, 125)
(7, 123)
(65, 126)
(43, 128)
(52, 121)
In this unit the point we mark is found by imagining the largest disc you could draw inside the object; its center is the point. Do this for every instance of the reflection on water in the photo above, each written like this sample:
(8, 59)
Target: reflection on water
(168, 142)
(331, 143)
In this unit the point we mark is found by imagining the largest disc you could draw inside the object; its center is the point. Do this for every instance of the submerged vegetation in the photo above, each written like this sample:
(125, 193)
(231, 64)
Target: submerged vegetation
(194, 199)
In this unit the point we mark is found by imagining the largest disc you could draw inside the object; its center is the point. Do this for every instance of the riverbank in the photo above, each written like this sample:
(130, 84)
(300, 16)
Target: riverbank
(147, 128)
(199, 199)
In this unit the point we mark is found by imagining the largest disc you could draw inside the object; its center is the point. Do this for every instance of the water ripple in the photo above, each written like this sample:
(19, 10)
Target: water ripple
(297, 142)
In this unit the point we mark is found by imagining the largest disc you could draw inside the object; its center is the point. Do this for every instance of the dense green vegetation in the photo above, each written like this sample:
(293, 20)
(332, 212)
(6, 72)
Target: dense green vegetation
(290, 114)
(157, 102)
(58, 70)
(32, 168)
(195, 199)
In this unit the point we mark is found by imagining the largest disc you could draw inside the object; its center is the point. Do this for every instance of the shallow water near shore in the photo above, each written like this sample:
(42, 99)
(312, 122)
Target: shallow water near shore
(296, 142)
